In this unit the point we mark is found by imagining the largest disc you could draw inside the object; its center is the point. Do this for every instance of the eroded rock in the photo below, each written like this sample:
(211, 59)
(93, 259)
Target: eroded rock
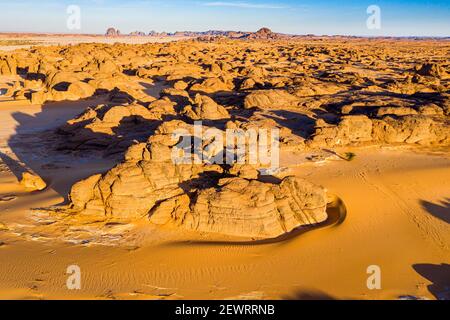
(32, 182)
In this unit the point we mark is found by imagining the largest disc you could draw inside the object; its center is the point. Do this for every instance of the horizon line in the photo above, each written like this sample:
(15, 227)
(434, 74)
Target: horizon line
(172, 33)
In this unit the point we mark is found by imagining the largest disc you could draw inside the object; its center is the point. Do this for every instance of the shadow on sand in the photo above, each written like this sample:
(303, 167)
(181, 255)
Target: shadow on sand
(309, 295)
(34, 144)
(439, 276)
(439, 210)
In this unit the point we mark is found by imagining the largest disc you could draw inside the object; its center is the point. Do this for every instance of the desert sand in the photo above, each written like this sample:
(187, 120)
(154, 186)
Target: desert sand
(364, 145)
(11, 42)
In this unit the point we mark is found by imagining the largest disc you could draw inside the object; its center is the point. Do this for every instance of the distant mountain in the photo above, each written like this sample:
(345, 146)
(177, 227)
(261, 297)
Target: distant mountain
(262, 34)
(137, 34)
(112, 32)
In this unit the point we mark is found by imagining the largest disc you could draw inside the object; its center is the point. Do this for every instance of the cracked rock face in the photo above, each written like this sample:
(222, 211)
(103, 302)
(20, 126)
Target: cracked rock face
(268, 99)
(250, 208)
(410, 129)
(202, 198)
(206, 108)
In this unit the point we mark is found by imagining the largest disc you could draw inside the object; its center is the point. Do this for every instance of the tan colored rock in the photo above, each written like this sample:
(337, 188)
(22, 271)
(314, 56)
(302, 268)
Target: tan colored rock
(107, 67)
(162, 107)
(270, 99)
(411, 130)
(62, 77)
(32, 182)
(150, 185)
(40, 97)
(431, 70)
(80, 90)
(3, 227)
(351, 129)
(172, 211)
(251, 83)
(398, 111)
(211, 85)
(206, 108)
(8, 66)
(180, 97)
(244, 171)
(249, 208)
(82, 192)
(431, 109)
(33, 84)
(180, 85)
(12, 90)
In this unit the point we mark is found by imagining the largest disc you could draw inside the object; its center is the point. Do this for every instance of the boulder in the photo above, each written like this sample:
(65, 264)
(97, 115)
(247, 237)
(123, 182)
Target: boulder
(32, 182)
(80, 90)
(249, 208)
(211, 85)
(397, 111)
(8, 66)
(270, 99)
(205, 108)
(195, 197)
(431, 70)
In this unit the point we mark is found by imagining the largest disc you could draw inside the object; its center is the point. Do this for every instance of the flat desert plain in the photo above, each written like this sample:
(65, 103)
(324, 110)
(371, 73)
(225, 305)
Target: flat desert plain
(358, 206)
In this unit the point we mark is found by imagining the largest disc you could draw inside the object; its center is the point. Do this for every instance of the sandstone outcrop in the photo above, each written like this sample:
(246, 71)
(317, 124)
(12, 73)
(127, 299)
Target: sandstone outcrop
(198, 197)
(410, 129)
(32, 182)
(431, 70)
(8, 66)
(263, 34)
(206, 108)
(211, 85)
(270, 99)
(314, 93)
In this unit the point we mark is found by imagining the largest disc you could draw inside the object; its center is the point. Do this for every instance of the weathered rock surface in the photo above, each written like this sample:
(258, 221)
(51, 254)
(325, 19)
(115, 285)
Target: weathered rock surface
(411, 129)
(316, 94)
(195, 197)
(32, 182)
(206, 108)
(270, 99)
(431, 70)
(241, 207)
(8, 66)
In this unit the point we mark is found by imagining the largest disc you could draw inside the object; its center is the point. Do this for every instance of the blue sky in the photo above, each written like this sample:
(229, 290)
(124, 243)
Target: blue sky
(398, 17)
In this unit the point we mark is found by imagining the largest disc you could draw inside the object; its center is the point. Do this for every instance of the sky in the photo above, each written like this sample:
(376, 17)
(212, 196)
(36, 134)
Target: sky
(320, 17)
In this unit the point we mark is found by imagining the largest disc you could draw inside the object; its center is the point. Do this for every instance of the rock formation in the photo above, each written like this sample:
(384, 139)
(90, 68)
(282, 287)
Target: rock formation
(200, 198)
(270, 99)
(32, 182)
(206, 108)
(315, 93)
(112, 32)
(263, 34)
